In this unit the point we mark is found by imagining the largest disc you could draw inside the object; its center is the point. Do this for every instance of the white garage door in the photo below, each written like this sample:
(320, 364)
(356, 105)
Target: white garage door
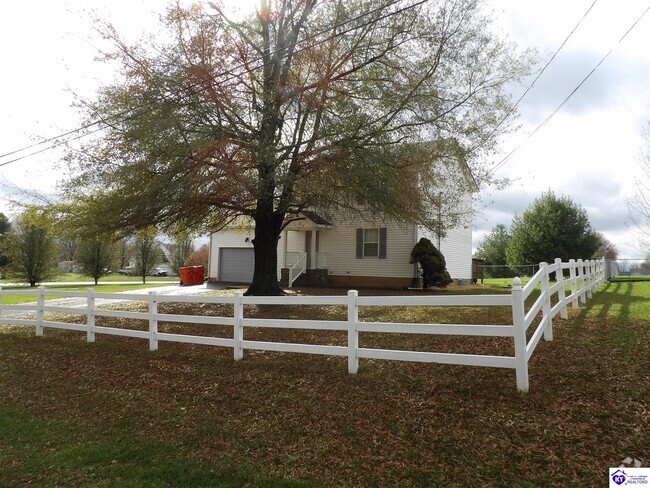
(236, 264)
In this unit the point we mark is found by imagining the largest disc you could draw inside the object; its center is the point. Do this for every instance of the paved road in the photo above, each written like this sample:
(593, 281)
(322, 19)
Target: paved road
(81, 302)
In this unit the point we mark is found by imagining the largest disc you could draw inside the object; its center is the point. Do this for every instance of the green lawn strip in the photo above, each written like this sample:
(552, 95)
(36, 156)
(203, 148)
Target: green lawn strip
(623, 279)
(624, 301)
(30, 296)
(503, 282)
(300, 416)
(66, 277)
(44, 451)
(113, 277)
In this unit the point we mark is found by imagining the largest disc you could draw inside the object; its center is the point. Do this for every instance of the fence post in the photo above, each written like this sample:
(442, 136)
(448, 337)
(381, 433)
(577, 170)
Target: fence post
(559, 277)
(90, 316)
(596, 276)
(573, 279)
(40, 313)
(238, 330)
(603, 271)
(590, 278)
(581, 282)
(519, 324)
(546, 304)
(353, 335)
(599, 272)
(153, 321)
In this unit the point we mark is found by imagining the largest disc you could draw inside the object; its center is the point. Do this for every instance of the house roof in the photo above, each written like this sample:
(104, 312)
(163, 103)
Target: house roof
(315, 218)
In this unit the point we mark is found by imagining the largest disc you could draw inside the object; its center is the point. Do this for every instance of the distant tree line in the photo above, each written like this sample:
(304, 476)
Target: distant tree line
(32, 245)
(552, 227)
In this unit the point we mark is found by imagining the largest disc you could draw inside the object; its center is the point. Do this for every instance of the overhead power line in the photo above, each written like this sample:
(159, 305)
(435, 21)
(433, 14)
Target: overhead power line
(568, 97)
(530, 87)
(228, 74)
(57, 142)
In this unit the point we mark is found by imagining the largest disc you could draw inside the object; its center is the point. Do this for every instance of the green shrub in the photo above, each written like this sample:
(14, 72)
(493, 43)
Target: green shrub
(431, 263)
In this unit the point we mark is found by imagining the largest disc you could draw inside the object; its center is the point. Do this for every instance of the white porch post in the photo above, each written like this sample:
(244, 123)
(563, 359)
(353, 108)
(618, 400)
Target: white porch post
(285, 247)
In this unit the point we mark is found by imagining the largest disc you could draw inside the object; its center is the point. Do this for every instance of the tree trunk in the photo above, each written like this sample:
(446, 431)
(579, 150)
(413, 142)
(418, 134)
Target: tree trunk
(265, 245)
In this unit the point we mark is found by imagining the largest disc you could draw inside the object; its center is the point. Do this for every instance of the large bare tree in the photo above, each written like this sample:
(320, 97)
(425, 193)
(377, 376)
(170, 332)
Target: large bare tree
(639, 203)
(363, 105)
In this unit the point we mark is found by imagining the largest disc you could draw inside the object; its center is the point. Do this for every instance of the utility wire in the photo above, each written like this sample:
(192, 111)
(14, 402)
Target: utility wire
(58, 142)
(229, 74)
(530, 87)
(511, 153)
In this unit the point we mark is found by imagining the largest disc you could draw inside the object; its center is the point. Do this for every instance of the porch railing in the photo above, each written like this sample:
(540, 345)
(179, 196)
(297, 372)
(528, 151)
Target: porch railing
(297, 268)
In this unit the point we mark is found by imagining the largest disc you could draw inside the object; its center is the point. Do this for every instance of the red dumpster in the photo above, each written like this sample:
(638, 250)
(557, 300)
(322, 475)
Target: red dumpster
(192, 275)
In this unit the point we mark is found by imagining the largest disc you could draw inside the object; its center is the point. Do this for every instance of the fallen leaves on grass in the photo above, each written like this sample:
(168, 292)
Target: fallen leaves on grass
(393, 424)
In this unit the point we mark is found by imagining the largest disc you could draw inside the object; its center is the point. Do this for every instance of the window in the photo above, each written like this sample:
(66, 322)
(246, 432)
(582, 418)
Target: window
(370, 243)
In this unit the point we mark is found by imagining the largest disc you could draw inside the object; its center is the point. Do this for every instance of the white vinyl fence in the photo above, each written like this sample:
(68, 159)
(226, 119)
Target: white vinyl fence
(583, 279)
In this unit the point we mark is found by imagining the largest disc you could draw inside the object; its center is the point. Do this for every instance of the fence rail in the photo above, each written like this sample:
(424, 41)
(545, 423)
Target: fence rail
(584, 277)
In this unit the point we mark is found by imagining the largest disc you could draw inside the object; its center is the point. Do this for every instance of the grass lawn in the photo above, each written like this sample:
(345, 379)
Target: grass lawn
(71, 277)
(503, 282)
(30, 296)
(114, 414)
(115, 277)
(625, 279)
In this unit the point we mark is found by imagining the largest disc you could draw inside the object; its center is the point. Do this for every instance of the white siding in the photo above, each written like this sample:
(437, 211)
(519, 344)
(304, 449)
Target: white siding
(295, 242)
(237, 239)
(227, 239)
(456, 247)
(339, 244)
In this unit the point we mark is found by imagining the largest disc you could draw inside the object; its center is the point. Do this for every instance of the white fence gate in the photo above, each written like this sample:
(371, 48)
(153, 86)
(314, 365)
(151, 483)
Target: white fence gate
(584, 278)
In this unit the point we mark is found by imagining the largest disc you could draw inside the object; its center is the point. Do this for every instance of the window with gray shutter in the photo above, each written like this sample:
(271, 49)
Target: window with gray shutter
(383, 237)
(371, 243)
(359, 243)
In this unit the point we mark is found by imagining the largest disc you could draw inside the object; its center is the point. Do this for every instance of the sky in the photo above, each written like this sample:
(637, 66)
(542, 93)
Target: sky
(587, 151)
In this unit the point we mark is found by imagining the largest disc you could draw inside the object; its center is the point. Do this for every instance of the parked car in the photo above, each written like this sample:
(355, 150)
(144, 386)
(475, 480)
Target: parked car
(158, 272)
(124, 271)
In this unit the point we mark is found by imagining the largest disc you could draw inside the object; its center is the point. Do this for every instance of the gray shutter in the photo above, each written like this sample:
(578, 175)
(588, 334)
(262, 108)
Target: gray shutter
(359, 243)
(383, 232)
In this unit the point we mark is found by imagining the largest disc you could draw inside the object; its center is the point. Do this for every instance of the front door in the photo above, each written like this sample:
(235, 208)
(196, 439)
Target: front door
(308, 248)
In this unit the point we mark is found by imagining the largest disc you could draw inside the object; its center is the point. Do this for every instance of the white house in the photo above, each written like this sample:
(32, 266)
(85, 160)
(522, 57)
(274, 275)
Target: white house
(346, 252)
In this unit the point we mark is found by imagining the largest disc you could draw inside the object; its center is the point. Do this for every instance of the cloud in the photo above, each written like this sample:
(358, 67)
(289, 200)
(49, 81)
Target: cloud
(601, 197)
(614, 80)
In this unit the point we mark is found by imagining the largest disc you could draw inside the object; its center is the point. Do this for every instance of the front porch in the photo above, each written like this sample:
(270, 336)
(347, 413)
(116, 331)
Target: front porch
(303, 262)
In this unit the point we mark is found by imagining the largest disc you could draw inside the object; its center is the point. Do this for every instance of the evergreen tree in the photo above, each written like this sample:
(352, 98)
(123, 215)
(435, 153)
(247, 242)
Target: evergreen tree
(432, 264)
(492, 250)
(551, 228)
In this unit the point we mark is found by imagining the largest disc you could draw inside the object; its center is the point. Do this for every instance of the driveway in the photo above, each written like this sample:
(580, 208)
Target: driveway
(82, 303)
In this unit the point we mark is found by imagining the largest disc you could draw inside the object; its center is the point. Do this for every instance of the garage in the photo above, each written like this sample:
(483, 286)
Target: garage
(236, 264)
